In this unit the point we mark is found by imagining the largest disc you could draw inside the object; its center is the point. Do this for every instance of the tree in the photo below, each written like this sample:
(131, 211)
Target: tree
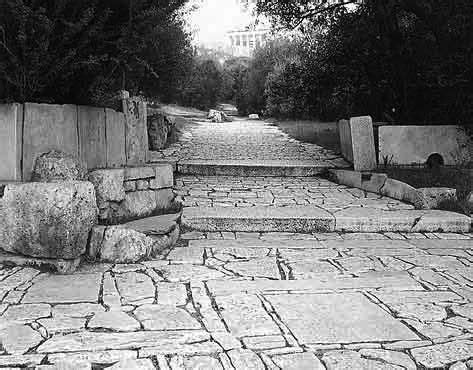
(84, 51)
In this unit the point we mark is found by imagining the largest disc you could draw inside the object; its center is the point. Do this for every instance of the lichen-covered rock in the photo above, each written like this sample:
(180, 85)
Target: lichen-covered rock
(434, 197)
(58, 166)
(160, 128)
(122, 245)
(50, 220)
(108, 185)
(218, 116)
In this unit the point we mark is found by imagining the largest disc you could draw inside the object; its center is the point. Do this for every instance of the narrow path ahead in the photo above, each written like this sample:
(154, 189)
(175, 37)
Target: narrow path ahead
(246, 291)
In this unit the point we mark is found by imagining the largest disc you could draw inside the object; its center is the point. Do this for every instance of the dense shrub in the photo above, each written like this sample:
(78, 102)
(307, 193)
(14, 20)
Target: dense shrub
(84, 51)
(398, 60)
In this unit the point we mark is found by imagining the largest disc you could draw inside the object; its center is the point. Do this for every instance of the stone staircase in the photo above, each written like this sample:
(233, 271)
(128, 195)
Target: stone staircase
(335, 211)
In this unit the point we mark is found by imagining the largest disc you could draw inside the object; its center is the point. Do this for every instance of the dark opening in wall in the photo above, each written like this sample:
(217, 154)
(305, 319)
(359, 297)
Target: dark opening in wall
(435, 161)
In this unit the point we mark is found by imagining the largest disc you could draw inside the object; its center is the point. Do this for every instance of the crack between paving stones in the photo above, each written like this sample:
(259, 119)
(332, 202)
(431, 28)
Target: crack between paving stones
(214, 305)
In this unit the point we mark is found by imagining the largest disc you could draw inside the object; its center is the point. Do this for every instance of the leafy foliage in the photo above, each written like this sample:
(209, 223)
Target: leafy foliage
(84, 51)
(398, 60)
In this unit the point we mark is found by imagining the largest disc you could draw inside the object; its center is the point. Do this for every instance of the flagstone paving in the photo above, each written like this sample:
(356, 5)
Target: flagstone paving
(245, 299)
(252, 301)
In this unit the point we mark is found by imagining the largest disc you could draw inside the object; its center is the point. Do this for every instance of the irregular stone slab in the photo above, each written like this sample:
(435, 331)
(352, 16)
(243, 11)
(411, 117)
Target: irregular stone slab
(95, 358)
(113, 320)
(50, 289)
(354, 219)
(58, 265)
(245, 316)
(437, 262)
(258, 219)
(63, 324)
(391, 280)
(78, 310)
(20, 277)
(195, 362)
(291, 255)
(266, 342)
(247, 168)
(391, 357)
(164, 317)
(21, 361)
(298, 361)
(66, 365)
(225, 245)
(262, 267)
(337, 318)
(441, 355)
(50, 220)
(345, 360)
(134, 287)
(465, 310)
(157, 225)
(172, 294)
(132, 364)
(18, 339)
(312, 269)
(245, 359)
(186, 349)
(187, 255)
(26, 312)
(184, 273)
(90, 341)
(434, 330)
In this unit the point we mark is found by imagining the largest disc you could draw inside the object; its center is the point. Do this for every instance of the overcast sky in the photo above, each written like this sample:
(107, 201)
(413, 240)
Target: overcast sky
(214, 18)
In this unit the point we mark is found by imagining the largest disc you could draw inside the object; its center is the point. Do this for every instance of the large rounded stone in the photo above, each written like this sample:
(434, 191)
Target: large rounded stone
(435, 197)
(57, 166)
(50, 220)
(159, 130)
(108, 184)
(122, 245)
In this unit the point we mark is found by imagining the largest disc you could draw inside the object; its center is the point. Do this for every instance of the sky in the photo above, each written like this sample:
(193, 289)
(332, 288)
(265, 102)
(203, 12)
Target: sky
(214, 18)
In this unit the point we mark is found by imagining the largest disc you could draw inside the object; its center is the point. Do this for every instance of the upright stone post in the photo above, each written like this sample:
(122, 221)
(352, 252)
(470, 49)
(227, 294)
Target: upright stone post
(362, 139)
(11, 139)
(136, 131)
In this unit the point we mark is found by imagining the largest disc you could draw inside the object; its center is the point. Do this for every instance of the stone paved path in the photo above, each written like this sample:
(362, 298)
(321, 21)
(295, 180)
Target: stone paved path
(254, 300)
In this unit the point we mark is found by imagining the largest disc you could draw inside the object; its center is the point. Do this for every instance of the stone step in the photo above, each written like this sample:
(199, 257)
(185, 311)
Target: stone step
(269, 168)
(307, 219)
(155, 225)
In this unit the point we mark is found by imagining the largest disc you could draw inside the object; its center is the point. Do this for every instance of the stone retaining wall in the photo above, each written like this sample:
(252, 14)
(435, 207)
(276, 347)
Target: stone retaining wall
(100, 137)
(413, 145)
(134, 192)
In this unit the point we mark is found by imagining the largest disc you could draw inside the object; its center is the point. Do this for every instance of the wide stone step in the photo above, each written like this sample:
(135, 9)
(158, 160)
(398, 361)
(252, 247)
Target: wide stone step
(257, 168)
(307, 219)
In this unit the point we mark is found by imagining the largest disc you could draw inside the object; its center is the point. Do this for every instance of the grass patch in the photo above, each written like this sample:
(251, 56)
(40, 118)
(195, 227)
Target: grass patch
(442, 177)
(324, 134)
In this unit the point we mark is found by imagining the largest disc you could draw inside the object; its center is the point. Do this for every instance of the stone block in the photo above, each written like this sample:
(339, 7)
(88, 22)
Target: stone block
(129, 186)
(373, 182)
(50, 220)
(138, 173)
(404, 192)
(108, 185)
(115, 131)
(11, 141)
(413, 145)
(345, 140)
(142, 185)
(95, 241)
(58, 166)
(92, 137)
(60, 266)
(122, 245)
(139, 204)
(136, 132)
(346, 177)
(48, 127)
(164, 177)
(362, 137)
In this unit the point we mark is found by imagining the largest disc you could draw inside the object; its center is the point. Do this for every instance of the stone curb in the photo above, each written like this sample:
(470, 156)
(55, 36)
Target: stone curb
(380, 183)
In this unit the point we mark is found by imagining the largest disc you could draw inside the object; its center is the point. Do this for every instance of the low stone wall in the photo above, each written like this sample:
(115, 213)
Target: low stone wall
(99, 137)
(357, 142)
(134, 192)
(413, 145)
